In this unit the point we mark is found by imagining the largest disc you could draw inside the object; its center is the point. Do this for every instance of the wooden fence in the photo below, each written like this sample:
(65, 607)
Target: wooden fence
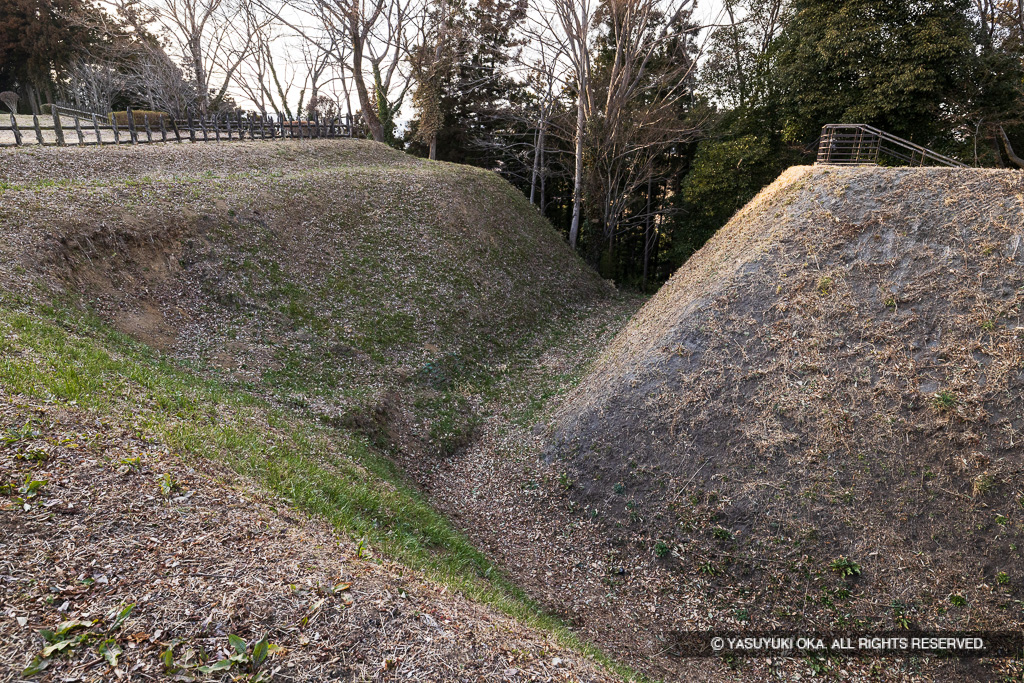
(71, 127)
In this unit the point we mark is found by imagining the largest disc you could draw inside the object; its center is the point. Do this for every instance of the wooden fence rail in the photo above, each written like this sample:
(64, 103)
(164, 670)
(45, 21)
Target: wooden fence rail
(86, 128)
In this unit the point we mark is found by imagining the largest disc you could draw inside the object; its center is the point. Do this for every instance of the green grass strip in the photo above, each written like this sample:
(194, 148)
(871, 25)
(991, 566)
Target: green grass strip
(60, 353)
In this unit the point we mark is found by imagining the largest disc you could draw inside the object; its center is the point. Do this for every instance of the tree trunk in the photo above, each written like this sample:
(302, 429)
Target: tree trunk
(577, 190)
(536, 164)
(196, 48)
(433, 147)
(314, 95)
(647, 235)
(543, 181)
(1009, 149)
(369, 113)
(33, 101)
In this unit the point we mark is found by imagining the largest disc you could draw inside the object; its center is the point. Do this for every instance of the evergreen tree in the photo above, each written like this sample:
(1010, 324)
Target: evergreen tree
(474, 90)
(905, 67)
(39, 39)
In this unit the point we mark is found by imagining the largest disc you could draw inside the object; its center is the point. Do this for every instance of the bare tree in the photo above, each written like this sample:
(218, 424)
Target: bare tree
(214, 37)
(737, 55)
(544, 80)
(628, 111)
(574, 18)
(376, 34)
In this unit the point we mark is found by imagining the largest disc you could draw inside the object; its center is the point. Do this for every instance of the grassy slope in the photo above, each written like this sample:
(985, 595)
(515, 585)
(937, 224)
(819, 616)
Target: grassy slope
(196, 553)
(349, 300)
(833, 383)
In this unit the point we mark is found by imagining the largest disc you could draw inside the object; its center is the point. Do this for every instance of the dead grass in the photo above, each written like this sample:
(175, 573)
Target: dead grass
(201, 554)
(835, 378)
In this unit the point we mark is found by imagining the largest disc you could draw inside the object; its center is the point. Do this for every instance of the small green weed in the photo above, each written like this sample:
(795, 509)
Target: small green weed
(27, 492)
(242, 659)
(825, 286)
(900, 616)
(28, 431)
(72, 634)
(168, 485)
(844, 566)
(709, 568)
(982, 484)
(944, 401)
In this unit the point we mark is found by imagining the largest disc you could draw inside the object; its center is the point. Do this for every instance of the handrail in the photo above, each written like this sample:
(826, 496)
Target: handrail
(859, 143)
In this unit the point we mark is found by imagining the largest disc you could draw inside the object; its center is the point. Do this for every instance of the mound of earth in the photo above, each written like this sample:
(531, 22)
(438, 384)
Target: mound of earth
(304, 308)
(371, 288)
(820, 419)
(121, 561)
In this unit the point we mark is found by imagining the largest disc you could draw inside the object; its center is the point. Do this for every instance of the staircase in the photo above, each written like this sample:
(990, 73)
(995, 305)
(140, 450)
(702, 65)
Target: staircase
(844, 144)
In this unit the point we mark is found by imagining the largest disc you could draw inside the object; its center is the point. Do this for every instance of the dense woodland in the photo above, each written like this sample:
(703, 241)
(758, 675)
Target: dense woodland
(637, 126)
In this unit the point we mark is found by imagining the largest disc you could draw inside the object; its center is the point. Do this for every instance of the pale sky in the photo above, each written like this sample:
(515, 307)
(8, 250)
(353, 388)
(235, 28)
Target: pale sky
(708, 12)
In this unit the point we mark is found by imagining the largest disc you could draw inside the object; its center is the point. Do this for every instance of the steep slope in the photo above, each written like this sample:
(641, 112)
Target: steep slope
(821, 413)
(306, 314)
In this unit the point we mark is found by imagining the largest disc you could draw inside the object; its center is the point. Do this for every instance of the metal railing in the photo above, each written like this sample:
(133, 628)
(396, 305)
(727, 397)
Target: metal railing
(857, 143)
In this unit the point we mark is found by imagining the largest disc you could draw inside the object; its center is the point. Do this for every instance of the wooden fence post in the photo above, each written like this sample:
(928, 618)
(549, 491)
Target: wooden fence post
(57, 129)
(149, 131)
(191, 128)
(131, 126)
(163, 129)
(78, 130)
(39, 131)
(14, 127)
(215, 120)
(96, 129)
(174, 127)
